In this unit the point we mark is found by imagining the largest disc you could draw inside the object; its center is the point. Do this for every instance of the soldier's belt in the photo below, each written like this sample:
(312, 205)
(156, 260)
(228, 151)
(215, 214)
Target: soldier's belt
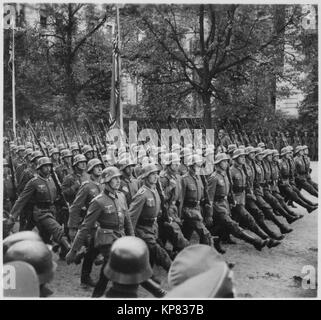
(191, 204)
(147, 222)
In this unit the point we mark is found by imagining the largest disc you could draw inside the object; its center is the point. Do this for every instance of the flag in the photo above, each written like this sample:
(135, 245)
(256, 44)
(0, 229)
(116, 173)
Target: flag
(115, 99)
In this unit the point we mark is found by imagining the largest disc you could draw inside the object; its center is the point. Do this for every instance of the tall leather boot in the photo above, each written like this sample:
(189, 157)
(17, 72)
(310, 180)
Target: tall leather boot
(306, 200)
(283, 228)
(256, 242)
(270, 232)
(154, 288)
(217, 245)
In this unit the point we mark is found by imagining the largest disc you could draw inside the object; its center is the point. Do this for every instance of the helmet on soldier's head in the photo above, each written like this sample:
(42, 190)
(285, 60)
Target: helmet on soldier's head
(285, 151)
(259, 151)
(231, 148)
(199, 271)
(93, 163)
(21, 148)
(249, 150)
(66, 153)
(35, 253)
(29, 152)
(74, 147)
(261, 145)
(305, 147)
(275, 153)
(171, 158)
(110, 173)
(267, 152)
(43, 161)
(148, 169)
(17, 237)
(237, 153)
(195, 159)
(79, 158)
(221, 157)
(125, 161)
(186, 152)
(29, 145)
(221, 149)
(61, 146)
(128, 261)
(35, 155)
(290, 148)
(54, 151)
(298, 149)
(87, 149)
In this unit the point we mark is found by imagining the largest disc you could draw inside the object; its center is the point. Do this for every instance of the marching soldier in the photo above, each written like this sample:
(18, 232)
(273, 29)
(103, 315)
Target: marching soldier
(192, 194)
(286, 187)
(170, 227)
(186, 154)
(21, 167)
(74, 148)
(224, 140)
(88, 152)
(251, 201)
(239, 212)
(42, 192)
(109, 209)
(54, 154)
(218, 190)
(144, 211)
(306, 160)
(86, 193)
(20, 156)
(8, 188)
(66, 167)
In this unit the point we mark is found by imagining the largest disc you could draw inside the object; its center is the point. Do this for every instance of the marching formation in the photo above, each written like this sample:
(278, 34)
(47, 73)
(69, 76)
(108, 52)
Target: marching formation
(82, 202)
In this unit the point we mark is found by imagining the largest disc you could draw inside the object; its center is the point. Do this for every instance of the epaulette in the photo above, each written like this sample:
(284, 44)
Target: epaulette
(34, 179)
(96, 198)
(84, 183)
(141, 191)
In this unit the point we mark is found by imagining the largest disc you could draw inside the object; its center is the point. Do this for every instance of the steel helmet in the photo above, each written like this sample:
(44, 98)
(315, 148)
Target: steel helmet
(231, 148)
(54, 151)
(61, 146)
(19, 236)
(221, 149)
(290, 148)
(35, 155)
(195, 159)
(221, 157)
(107, 158)
(125, 162)
(298, 149)
(66, 153)
(285, 150)
(172, 158)
(43, 161)
(275, 153)
(29, 152)
(259, 151)
(87, 149)
(35, 253)
(26, 281)
(237, 153)
(128, 261)
(261, 145)
(93, 163)
(74, 147)
(148, 169)
(110, 173)
(79, 158)
(29, 145)
(305, 147)
(267, 152)
(21, 148)
(249, 150)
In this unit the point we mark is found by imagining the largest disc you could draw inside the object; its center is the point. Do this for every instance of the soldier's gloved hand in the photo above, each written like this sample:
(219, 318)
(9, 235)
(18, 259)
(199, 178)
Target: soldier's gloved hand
(71, 256)
(72, 233)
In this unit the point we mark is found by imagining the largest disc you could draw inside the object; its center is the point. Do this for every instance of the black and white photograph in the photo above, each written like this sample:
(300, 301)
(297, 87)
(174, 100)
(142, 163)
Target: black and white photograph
(164, 151)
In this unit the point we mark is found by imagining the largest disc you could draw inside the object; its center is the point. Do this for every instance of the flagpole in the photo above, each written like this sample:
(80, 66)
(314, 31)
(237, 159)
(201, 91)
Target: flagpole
(13, 82)
(119, 68)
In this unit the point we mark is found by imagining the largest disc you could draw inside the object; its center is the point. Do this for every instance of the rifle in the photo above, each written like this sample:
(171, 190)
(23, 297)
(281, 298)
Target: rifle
(13, 174)
(64, 135)
(52, 173)
(76, 133)
(94, 141)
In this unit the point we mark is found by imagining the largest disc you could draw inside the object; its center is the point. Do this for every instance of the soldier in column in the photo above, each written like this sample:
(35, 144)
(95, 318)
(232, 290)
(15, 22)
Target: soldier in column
(239, 212)
(54, 154)
(219, 190)
(20, 150)
(21, 167)
(308, 169)
(109, 210)
(77, 212)
(88, 152)
(170, 227)
(42, 192)
(143, 211)
(185, 156)
(252, 204)
(65, 167)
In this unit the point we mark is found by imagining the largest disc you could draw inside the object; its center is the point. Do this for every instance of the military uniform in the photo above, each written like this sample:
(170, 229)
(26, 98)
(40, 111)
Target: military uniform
(129, 187)
(192, 194)
(239, 212)
(171, 229)
(306, 160)
(71, 185)
(109, 209)
(302, 172)
(62, 171)
(8, 193)
(42, 193)
(143, 212)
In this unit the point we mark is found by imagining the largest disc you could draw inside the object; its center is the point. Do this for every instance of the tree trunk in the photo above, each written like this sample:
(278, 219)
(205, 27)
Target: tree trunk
(207, 116)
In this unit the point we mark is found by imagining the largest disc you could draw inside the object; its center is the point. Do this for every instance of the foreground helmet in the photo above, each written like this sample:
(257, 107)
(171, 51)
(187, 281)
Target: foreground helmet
(35, 253)
(35, 155)
(221, 157)
(93, 163)
(43, 161)
(19, 236)
(237, 153)
(110, 173)
(148, 169)
(79, 158)
(87, 149)
(129, 261)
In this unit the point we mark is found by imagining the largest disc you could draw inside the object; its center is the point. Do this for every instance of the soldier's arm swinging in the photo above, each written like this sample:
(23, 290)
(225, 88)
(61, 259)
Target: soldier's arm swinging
(136, 208)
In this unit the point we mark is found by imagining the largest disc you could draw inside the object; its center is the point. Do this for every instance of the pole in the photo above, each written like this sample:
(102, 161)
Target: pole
(13, 83)
(119, 70)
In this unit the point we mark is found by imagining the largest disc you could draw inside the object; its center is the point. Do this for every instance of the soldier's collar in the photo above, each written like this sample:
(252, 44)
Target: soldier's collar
(110, 192)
